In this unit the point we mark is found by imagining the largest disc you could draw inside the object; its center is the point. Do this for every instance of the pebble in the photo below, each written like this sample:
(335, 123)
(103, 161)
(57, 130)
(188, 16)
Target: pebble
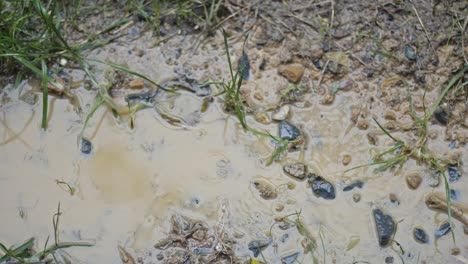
(322, 188)
(455, 251)
(290, 258)
(296, 170)
(243, 66)
(86, 146)
(362, 124)
(356, 184)
(282, 113)
(356, 197)
(454, 174)
(267, 190)
(385, 227)
(420, 235)
(279, 207)
(291, 72)
(413, 180)
(262, 117)
(441, 116)
(136, 84)
(346, 159)
(389, 260)
(328, 99)
(393, 198)
(443, 230)
(256, 246)
(410, 52)
(287, 131)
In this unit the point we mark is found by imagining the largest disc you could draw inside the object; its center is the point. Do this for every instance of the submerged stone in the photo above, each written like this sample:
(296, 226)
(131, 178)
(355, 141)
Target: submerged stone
(322, 188)
(420, 235)
(290, 258)
(86, 146)
(454, 173)
(443, 229)
(356, 184)
(385, 227)
(287, 131)
(256, 246)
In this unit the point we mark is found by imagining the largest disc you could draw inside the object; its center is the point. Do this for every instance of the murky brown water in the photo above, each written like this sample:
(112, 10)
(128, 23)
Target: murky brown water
(134, 180)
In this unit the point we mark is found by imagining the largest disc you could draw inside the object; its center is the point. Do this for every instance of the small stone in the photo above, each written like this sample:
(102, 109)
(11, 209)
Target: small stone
(356, 197)
(356, 184)
(390, 115)
(139, 52)
(393, 199)
(262, 117)
(443, 230)
(199, 235)
(389, 260)
(243, 66)
(453, 194)
(86, 146)
(420, 235)
(287, 131)
(267, 190)
(454, 174)
(322, 188)
(296, 170)
(291, 185)
(136, 84)
(432, 177)
(290, 258)
(279, 207)
(346, 159)
(328, 99)
(29, 97)
(410, 52)
(362, 124)
(57, 88)
(282, 113)
(385, 227)
(291, 72)
(441, 116)
(413, 180)
(455, 251)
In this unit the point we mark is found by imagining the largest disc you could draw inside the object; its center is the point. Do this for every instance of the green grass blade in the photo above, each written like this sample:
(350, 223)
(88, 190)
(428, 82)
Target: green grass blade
(45, 95)
(385, 131)
(227, 54)
(457, 77)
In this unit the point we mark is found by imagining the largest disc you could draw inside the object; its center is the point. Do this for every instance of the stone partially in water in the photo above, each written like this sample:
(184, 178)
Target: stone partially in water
(385, 226)
(454, 173)
(296, 170)
(256, 246)
(420, 235)
(287, 131)
(443, 229)
(323, 188)
(86, 146)
(282, 113)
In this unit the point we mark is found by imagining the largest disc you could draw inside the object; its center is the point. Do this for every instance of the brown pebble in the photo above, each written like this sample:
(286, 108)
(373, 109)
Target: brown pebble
(390, 115)
(199, 235)
(136, 84)
(139, 52)
(455, 251)
(328, 99)
(258, 96)
(346, 159)
(291, 72)
(413, 180)
(279, 207)
(362, 124)
(356, 197)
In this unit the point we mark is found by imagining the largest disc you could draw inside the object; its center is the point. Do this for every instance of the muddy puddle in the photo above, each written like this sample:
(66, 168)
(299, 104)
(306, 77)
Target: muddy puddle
(182, 182)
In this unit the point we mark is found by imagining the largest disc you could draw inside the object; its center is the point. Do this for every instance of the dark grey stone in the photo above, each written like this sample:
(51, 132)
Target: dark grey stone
(356, 184)
(420, 235)
(454, 173)
(86, 146)
(323, 188)
(385, 227)
(287, 131)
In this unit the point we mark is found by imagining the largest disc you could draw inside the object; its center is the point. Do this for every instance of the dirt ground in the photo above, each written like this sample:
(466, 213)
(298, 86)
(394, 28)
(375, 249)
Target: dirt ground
(172, 177)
